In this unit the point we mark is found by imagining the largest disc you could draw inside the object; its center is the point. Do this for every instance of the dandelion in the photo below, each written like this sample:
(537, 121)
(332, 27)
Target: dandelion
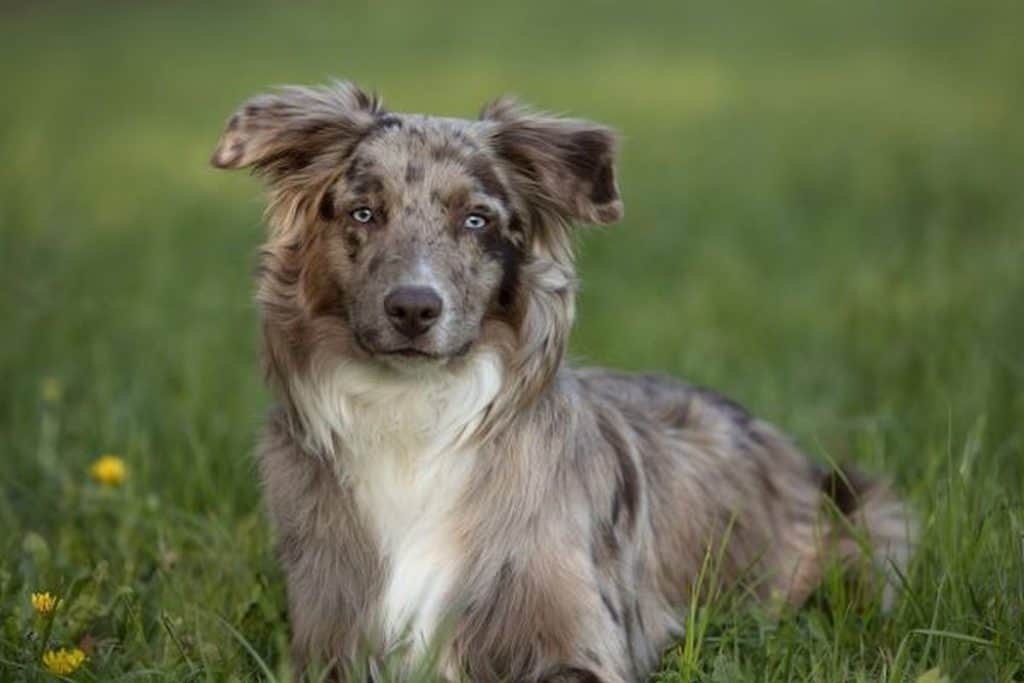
(51, 390)
(109, 470)
(63, 661)
(44, 603)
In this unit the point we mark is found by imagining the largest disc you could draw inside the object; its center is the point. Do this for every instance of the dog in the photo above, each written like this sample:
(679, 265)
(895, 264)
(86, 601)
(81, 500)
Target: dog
(440, 480)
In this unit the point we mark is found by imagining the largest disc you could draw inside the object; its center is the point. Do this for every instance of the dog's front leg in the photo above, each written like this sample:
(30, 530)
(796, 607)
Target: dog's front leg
(332, 568)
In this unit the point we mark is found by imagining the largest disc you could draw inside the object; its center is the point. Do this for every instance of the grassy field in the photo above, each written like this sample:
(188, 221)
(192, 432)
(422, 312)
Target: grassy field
(825, 220)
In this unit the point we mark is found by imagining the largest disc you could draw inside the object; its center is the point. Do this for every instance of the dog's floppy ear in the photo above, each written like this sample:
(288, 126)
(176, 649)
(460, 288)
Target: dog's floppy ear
(282, 132)
(566, 165)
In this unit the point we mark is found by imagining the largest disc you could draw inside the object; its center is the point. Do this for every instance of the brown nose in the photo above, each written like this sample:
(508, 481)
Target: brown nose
(412, 310)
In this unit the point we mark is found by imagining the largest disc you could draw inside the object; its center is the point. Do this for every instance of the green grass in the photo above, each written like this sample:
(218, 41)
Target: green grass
(825, 219)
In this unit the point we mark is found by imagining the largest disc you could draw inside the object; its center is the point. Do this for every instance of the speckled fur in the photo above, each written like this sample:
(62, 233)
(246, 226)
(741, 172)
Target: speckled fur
(561, 516)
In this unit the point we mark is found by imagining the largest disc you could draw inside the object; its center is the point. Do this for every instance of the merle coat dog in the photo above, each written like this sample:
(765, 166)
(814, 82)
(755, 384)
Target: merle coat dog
(440, 479)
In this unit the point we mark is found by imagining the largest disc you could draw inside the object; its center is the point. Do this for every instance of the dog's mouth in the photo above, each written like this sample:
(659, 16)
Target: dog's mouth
(409, 352)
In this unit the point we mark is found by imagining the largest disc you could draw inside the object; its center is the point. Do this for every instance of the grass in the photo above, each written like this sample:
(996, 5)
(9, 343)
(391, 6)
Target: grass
(824, 220)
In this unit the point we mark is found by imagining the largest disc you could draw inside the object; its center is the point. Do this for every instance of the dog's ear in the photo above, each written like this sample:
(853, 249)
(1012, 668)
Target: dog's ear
(565, 165)
(283, 132)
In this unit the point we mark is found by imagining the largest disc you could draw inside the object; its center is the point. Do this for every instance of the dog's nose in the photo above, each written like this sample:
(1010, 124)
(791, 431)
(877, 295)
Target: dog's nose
(413, 310)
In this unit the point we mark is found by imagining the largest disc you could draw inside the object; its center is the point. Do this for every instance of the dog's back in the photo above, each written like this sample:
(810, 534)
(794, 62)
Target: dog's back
(731, 493)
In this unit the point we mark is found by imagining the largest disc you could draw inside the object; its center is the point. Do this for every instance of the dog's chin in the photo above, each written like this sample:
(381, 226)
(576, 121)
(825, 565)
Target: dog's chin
(410, 362)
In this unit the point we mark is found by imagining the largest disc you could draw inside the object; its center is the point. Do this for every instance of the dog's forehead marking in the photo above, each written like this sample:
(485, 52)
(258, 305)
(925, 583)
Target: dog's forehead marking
(421, 132)
(427, 160)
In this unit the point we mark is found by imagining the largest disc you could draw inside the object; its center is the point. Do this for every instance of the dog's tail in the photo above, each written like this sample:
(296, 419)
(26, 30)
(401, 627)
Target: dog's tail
(877, 532)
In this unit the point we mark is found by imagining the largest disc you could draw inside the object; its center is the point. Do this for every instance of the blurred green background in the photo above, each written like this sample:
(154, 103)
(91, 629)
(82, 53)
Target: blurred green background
(824, 219)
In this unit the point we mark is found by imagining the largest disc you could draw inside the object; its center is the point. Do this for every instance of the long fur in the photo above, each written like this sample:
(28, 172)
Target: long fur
(530, 520)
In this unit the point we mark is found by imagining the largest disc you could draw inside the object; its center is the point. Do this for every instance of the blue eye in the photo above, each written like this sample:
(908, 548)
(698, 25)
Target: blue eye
(474, 221)
(362, 215)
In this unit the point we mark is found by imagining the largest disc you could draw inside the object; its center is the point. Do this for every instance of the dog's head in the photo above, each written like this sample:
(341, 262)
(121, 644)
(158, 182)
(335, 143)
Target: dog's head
(409, 234)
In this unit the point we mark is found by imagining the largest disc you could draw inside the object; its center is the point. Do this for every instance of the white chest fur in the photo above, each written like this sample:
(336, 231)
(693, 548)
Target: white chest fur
(401, 441)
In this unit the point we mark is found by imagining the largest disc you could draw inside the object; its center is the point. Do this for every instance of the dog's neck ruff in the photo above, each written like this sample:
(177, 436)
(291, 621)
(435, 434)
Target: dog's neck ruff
(352, 411)
(404, 445)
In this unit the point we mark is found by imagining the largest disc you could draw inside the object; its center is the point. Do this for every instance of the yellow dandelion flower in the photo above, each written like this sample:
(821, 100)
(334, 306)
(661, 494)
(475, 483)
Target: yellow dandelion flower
(51, 390)
(109, 470)
(63, 661)
(44, 603)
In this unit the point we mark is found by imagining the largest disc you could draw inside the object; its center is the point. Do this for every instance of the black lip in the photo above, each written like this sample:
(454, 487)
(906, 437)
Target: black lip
(407, 351)
(410, 352)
